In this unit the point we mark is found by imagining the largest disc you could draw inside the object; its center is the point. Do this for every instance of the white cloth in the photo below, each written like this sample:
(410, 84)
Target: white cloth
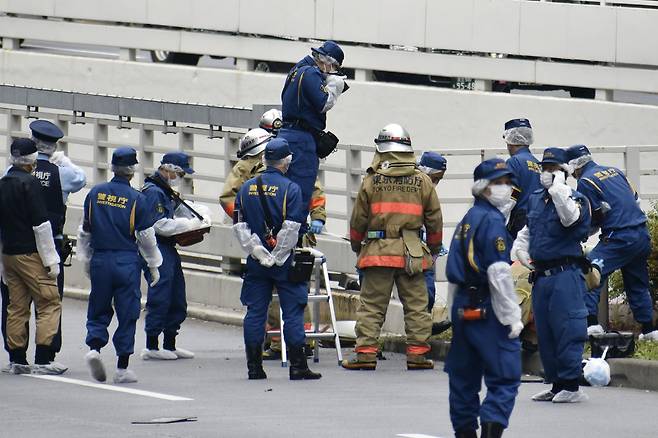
(155, 276)
(148, 247)
(568, 210)
(286, 239)
(452, 290)
(263, 256)
(83, 249)
(247, 240)
(334, 85)
(43, 235)
(183, 220)
(521, 246)
(503, 295)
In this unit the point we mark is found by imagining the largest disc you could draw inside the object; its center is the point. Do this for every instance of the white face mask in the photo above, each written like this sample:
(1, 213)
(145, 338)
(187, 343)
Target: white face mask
(546, 179)
(175, 182)
(500, 195)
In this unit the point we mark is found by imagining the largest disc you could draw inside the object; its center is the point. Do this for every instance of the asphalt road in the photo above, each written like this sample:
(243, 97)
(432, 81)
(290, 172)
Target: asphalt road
(389, 402)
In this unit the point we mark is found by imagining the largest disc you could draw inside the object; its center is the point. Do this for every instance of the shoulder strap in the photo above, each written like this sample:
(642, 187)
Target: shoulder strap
(263, 204)
(171, 194)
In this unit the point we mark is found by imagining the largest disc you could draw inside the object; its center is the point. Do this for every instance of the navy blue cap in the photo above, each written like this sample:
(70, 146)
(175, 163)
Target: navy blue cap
(46, 131)
(277, 149)
(124, 156)
(517, 123)
(331, 48)
(491, 169)
(22, 147)
(433, 160)
(577, 151)
(179, 159)
(555, 156)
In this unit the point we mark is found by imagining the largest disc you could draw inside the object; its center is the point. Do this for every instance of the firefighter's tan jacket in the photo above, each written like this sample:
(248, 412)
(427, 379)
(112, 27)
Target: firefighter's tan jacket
(395, 200)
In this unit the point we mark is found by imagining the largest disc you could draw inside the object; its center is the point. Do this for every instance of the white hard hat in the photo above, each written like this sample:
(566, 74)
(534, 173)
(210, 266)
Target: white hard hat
(271, 120)
(254, 142)
(393, 138)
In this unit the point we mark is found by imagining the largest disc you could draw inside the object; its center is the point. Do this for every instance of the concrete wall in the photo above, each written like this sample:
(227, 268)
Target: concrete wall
(436, 118)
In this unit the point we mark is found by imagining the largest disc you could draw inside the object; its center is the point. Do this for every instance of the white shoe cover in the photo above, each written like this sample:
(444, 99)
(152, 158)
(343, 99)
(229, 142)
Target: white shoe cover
(95, 365)
(125, 376)
(158, 355)
(565, 396)
(595, 330)
(19, 368)
(183, 354)
(546, 395)
(651, 336)
(9, 368)
(53, 369)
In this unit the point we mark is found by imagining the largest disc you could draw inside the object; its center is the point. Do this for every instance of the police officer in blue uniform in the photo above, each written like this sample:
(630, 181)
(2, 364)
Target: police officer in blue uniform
(117, 226)
(484, 311)
(558, 221)
(166, 305)
(268, 215)
(311, 89)
(624, 241)
(525, 168)
(433, 165)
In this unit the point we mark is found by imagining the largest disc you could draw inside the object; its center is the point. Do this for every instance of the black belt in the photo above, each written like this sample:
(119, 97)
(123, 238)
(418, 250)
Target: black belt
(547, 268)
(382, 234)
(300, 123)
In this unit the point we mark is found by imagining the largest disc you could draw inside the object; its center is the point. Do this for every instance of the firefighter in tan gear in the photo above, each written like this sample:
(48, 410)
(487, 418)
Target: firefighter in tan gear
(395, 201)
(252, 148)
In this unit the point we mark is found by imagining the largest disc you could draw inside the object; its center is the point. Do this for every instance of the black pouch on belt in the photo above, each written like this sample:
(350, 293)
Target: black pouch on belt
(325, 143)
(301, 267)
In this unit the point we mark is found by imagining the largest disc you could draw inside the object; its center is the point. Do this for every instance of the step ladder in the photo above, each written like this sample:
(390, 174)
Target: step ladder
(321, 275)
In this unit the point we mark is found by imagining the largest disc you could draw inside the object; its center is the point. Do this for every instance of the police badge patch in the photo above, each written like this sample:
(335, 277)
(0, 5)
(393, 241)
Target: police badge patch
(500, 244)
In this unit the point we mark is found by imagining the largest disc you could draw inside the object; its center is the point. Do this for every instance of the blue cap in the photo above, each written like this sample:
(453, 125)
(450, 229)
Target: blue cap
(124, 156)
(491, 169)
(22, 147)
(331, 48)
(577, 151)
(277, 149)
(555, 156)
(179, 159)
(46, 131)
(433, 160)
(517, 123)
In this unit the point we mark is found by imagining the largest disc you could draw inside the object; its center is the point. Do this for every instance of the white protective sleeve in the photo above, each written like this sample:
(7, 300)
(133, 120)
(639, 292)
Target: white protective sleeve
(148, 247)
(286, 239)
(567, 208)
(503, 296)
(43, 235)
(83, 249)
(169, 227)
(334, 86)
(452, 290)
(248, 240)
(522, 242)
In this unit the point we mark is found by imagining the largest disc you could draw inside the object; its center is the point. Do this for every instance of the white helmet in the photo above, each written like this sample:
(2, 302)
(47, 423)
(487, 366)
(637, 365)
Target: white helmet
(253, 142)
(393, 138)
(271, 120)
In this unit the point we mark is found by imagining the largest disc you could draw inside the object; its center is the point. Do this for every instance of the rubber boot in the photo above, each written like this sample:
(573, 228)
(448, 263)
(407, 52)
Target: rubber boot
(466, 433)
(298, 366)
(419, 362)
(255, 362)
(362, 361)
(440, 327)
(492, 430)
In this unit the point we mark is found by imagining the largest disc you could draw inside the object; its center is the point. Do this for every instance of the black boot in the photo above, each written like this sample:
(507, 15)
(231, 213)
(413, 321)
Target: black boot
(298, 366)
(492, 430)
(255, 362)
(466, 433)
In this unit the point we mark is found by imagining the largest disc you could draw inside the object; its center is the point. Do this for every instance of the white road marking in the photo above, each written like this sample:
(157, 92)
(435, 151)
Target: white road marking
(111, 387)
(416, 435)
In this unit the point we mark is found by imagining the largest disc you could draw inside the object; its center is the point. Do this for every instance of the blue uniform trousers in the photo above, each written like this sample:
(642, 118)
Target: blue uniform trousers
(481, 348)
(115, 277)
(560, 320)
(166, 304)
(626, 249)
(257, 287)
(304, 167)
(431, 288)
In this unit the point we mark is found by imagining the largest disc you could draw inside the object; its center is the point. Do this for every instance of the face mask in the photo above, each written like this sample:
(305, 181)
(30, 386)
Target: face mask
(500, 195)
(546, 179)
(175, 181)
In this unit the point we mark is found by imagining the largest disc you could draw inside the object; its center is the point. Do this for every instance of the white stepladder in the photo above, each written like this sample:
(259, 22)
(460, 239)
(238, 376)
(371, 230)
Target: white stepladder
(314, 299)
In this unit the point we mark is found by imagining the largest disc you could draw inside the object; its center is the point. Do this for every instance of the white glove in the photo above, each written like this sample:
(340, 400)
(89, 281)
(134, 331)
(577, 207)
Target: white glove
(286, 239)
(53, 270)
(515, 329)
(86, 267)
(155, 276)
(59, 159)
(335, 84)
(558, 178)
(524, 258)
(263, 256)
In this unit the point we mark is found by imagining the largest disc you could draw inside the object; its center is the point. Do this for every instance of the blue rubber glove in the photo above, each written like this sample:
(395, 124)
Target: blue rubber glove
(316, 226)
(443, 251)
